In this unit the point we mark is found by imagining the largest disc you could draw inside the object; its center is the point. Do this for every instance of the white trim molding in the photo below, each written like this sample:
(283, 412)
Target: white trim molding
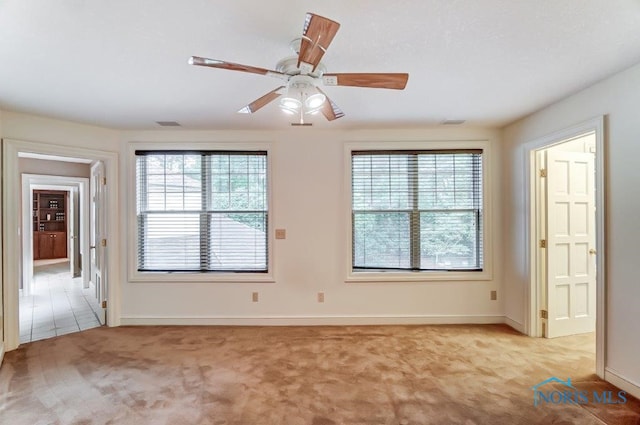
(515, 325)
(612, 376)
(335, 320)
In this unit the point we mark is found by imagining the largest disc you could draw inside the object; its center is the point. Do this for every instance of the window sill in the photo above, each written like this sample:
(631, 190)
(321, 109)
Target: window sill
(425, 276)
(173, 277)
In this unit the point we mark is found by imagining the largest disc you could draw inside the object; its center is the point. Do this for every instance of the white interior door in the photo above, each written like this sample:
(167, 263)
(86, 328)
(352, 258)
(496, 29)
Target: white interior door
(570, 240)
(74, 232)
(98, 247)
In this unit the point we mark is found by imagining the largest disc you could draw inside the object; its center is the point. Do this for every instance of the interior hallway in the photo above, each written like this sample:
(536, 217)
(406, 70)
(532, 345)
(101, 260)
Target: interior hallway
(57, 304)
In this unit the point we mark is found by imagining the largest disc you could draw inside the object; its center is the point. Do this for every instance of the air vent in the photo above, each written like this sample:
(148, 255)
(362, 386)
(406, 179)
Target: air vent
(168, 123)
(301, 124)
(453, 122)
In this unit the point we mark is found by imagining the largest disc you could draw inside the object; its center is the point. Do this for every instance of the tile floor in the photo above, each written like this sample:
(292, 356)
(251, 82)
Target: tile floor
(57, 305)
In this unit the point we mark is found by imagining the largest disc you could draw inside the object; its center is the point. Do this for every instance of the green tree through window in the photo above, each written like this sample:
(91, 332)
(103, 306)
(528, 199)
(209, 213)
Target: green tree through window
(417, 210)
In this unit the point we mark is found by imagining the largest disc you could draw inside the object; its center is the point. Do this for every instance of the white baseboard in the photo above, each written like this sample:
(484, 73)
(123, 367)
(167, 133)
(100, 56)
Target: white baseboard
(515, 325)
(613, 377)
(309, 320)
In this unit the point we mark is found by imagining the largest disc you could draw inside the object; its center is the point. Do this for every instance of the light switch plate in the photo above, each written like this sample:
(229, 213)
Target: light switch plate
(281, 234)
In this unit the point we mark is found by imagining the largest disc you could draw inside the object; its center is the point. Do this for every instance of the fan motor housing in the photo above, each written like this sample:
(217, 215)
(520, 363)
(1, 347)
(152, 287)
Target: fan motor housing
(289, 66)
(302, 83)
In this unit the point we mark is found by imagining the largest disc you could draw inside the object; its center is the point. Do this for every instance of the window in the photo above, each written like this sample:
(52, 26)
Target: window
(417, 210)
(202, 211)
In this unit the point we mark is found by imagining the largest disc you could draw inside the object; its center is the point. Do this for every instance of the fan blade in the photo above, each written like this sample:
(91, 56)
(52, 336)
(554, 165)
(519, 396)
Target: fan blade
(379, 81)
(330, 110)
(260, 102)
(317, 34)
(214, 63)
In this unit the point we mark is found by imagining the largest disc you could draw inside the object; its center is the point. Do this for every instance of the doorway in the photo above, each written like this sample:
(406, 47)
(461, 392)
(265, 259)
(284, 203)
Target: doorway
(566, 235)
(55, 297)
(14, 266)
(67, 225)
(565, 217)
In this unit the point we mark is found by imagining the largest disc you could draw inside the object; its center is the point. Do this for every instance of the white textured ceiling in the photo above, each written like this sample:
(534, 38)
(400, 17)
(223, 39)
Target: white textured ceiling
(123, 64)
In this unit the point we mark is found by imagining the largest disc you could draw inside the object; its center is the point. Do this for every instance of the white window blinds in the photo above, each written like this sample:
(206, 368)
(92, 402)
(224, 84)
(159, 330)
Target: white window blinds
(202, 211)
(417, 210)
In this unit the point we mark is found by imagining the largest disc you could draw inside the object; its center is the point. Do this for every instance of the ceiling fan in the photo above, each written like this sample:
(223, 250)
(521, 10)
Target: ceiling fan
(304, 74)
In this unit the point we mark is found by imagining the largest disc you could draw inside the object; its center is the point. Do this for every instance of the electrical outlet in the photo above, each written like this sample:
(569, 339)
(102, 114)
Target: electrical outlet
(320, 297)
(254, 297)
(494, 295)
(281, 234)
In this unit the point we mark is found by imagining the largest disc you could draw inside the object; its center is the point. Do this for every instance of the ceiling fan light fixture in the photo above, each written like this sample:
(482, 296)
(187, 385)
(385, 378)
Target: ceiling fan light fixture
(314, 102)
(313, 111)
(290, 105)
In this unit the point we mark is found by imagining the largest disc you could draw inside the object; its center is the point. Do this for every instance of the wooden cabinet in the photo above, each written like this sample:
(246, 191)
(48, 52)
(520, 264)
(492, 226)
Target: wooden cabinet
(52, 245)
(49, 224)
(45, 245)
(60, 245)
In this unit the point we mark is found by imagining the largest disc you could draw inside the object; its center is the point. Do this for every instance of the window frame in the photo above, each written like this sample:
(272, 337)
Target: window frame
(354, 275)
(135, 275)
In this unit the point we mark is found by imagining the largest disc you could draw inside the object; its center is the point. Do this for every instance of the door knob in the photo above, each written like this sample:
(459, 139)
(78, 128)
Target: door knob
(592, 251)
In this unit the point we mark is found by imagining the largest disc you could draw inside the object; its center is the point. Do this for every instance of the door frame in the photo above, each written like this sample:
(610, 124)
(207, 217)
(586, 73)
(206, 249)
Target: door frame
(532, 300)
(97, 233)
(32, 182)
(11, 219)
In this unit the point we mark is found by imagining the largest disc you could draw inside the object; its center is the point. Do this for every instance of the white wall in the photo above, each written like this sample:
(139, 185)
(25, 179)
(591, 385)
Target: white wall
(618, 98)
(584, 144)
(31, 128)
(54, 168)
(308, 201)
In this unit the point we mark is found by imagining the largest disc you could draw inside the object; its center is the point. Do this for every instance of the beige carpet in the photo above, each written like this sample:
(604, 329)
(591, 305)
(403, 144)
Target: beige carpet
(385, 375)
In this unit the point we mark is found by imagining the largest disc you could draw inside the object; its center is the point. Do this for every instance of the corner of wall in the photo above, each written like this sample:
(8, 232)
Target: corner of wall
(514, 324)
